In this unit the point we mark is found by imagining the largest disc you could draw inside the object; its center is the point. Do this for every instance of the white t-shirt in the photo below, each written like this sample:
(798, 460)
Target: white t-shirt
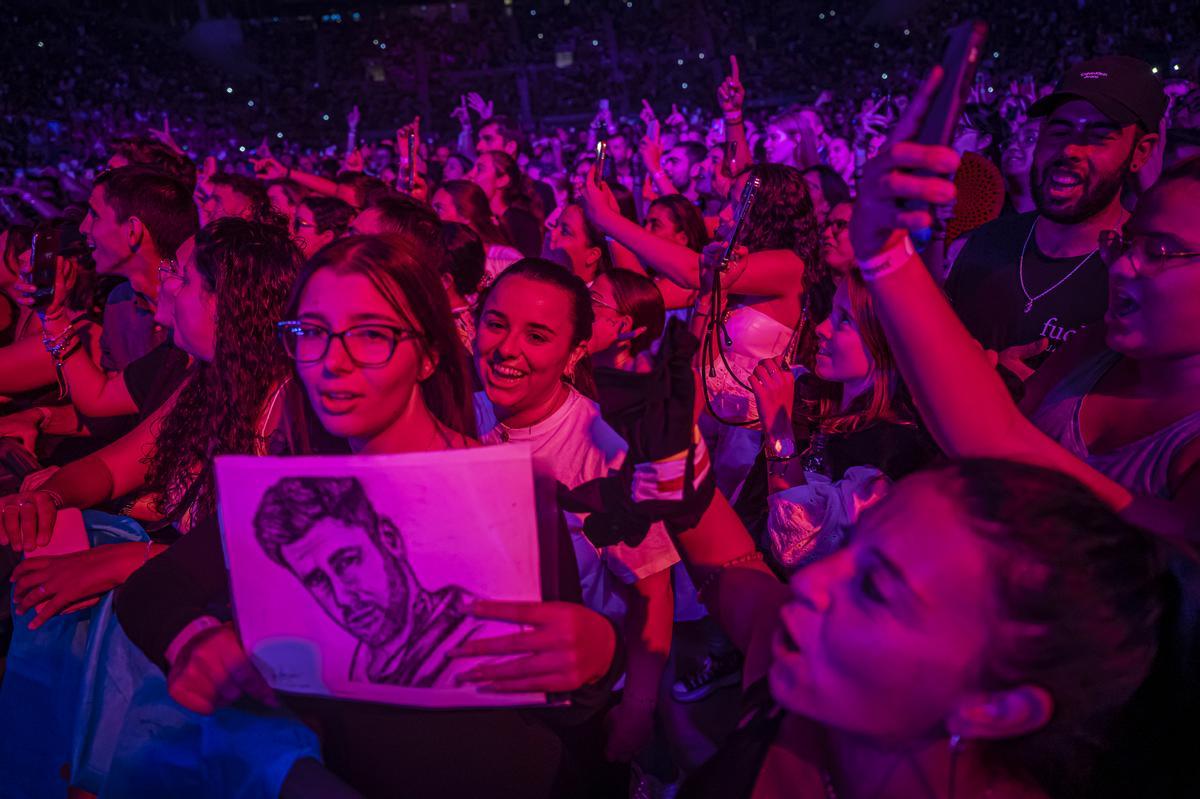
(575, 445)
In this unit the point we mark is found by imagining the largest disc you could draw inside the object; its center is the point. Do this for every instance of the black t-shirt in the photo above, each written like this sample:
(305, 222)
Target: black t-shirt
(152, 378)
(985, 287)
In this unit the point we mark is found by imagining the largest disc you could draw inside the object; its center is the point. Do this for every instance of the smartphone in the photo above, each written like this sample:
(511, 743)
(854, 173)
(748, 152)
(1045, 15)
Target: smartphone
(43, 265)
(601, 159)
(964, 47)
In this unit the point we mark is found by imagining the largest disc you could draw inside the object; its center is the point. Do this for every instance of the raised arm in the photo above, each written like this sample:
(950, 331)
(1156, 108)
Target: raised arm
(961, 398)
(673, 261)
(731, 95)
(271, 169)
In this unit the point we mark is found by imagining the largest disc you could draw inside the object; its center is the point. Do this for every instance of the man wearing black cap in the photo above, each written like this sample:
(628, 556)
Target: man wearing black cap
(1028, 277)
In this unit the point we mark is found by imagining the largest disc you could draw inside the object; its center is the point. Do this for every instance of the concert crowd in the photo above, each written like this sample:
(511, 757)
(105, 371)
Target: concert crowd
(864, 413)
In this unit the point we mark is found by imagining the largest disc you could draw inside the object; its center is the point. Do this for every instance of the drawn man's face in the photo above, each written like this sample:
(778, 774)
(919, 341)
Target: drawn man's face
(357, 583)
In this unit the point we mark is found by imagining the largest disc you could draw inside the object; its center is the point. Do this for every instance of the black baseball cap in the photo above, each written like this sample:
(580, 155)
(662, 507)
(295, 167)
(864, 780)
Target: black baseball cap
(1123, 88)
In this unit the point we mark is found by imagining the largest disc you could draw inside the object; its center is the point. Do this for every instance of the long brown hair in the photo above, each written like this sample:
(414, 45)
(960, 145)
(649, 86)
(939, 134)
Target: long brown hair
(250, 267)
(887, 400)
(405, 272)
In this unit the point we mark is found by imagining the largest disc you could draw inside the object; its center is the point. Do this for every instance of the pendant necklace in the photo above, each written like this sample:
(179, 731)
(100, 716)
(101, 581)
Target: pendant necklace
(1031, 299)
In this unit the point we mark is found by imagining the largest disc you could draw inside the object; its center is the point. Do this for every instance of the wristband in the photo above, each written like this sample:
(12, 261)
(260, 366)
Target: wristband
(893, 256)
(56, 498)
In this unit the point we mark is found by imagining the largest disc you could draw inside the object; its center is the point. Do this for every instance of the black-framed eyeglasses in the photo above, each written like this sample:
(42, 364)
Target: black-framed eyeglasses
(366, 345)
(1148, 255)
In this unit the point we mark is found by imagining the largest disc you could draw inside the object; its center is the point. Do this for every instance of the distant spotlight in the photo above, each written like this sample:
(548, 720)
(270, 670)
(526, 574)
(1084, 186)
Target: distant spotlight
(325, 117)
(541, 36)
(683, 85)
(996, 54)
(991, 89)
(241, 148)
(876, 45)
(41, 44)
(279, 134)
(821, 15)
(595, 42)
(229, 90)
(383, 45)
(679, 61)
(907, 32)
(250, 103)
(1154, 70)
(1176, 67)
(700, 56)
(832, 13)
(884, 76)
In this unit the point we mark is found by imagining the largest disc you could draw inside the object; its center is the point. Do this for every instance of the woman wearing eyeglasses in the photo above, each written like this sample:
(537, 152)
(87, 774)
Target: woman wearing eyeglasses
(1119, 408)
(379, 360)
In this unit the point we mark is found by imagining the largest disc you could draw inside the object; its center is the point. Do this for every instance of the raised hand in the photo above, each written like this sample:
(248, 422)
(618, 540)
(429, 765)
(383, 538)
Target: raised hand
(902, 171)
(676, 119)
(774, 392)
(562, 647)
(485, 108)
(597, 198)
(268, 169)
(163, 134)
(652, 153)
(461, 112)
(647, 114)
(353, 118)
(731, 94)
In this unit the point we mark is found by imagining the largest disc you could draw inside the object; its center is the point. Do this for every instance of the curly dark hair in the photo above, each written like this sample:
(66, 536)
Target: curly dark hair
(783, 218)
(250, 267)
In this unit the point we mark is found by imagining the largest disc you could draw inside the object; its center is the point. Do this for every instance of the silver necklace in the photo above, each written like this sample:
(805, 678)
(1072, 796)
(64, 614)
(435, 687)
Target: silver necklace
(1030, 300)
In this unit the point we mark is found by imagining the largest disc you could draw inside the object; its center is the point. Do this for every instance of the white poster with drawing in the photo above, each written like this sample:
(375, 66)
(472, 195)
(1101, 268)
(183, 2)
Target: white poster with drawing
(351, 575)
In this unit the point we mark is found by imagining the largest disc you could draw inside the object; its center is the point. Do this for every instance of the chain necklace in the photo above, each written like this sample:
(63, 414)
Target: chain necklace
(1031, 299)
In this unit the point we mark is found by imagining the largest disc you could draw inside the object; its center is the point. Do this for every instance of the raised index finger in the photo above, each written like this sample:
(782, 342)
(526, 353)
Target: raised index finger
(733, 66)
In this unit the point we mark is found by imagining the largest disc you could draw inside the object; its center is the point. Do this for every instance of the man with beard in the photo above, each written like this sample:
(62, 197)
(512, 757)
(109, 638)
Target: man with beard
(1027, 277)
(325, 531)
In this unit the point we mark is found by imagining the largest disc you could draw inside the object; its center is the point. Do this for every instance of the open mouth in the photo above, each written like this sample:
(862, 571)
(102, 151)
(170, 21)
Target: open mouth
(337, 401)
(1123, 304)
(1063, 181)
(504, 375)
